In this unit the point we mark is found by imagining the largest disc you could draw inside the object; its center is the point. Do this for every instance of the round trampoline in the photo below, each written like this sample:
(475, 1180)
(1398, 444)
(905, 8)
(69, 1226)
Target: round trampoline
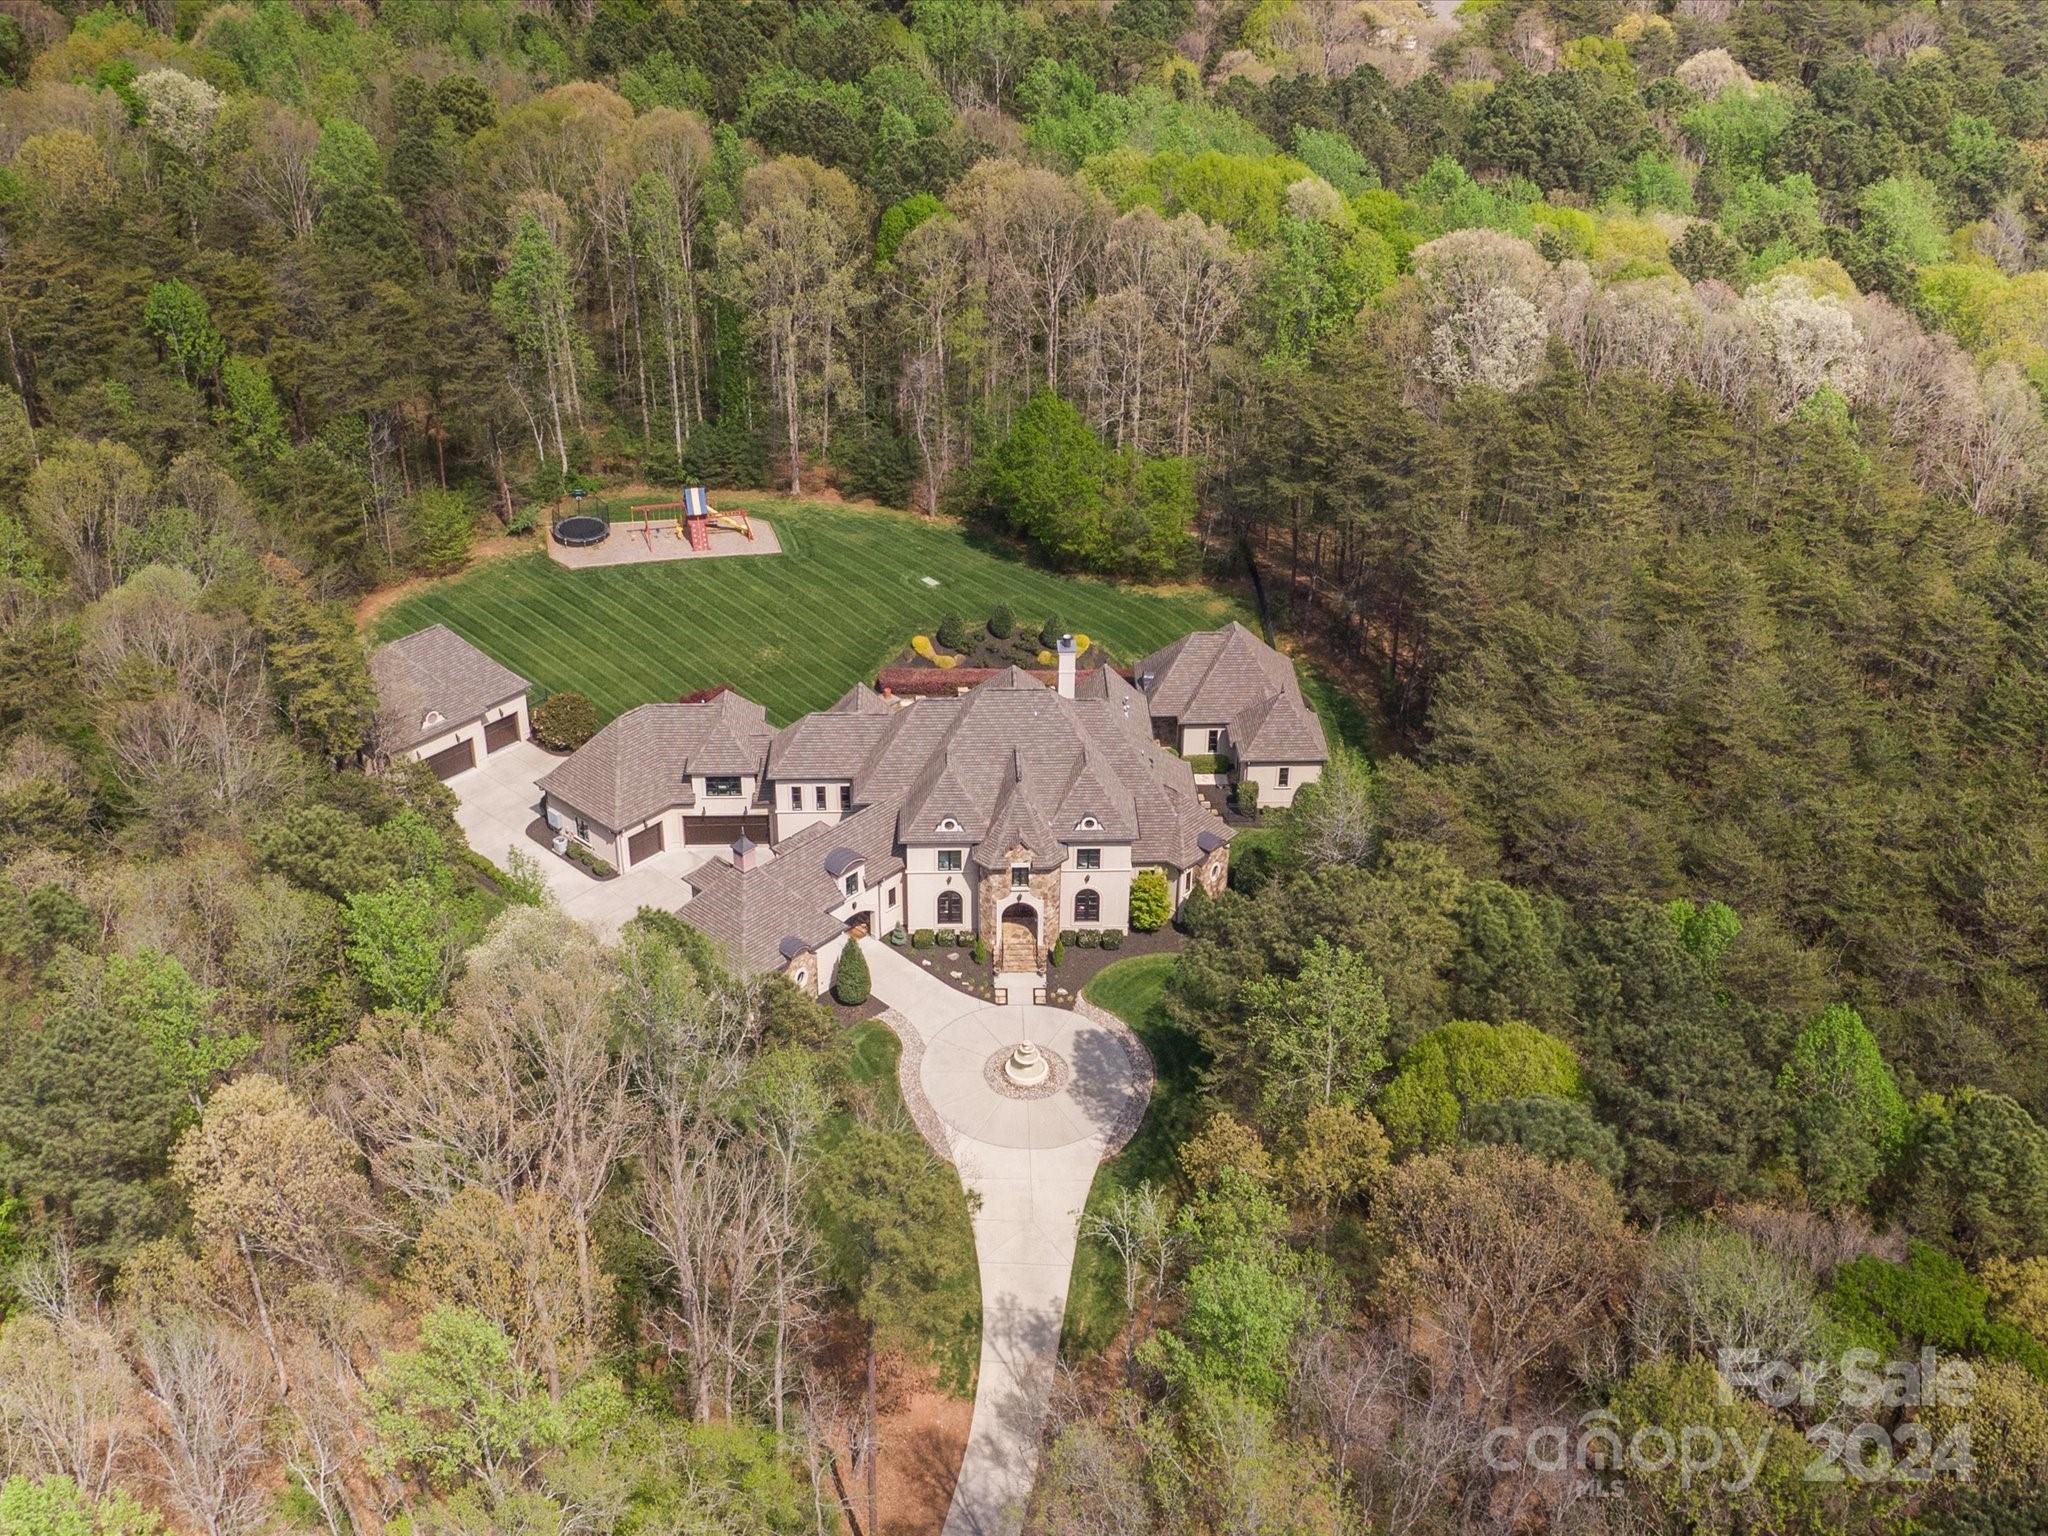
(580, 529)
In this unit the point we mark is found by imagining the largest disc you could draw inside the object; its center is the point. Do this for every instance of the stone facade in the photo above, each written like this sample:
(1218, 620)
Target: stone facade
(993, 892)
(1214, 873)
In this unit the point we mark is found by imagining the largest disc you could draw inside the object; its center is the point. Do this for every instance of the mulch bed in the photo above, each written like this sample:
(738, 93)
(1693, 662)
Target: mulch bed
(873, 1008)
(541, 835)
(984, 650)
(1082, 965)
(1079, 967)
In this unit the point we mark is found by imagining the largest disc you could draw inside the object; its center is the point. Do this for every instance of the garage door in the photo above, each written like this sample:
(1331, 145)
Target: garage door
(724, 829)
(501, 733)
(456, 759)
(644, 844)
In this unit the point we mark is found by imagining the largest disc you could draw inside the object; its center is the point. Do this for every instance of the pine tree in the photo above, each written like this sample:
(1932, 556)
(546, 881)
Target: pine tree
(850, 980)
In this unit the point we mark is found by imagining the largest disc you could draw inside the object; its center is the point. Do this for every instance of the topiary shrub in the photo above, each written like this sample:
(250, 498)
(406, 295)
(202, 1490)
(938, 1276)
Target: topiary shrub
(922, 939)
(943, 937)
(1050, 631)
(1112, 938)
(564, 721)
(898, 937)
(850, 981)
(1151, 905)
(1086, 938)
(951, 633)
(1246, 797)
(1058, 957)
(1001, 622)
(980, 950)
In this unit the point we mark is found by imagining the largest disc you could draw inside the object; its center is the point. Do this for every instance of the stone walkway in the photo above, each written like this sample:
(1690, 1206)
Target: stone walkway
(1030, 1160)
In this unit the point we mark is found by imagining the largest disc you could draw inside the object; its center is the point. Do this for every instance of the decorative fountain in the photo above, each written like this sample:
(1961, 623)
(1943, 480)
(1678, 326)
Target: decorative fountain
(1027, 1066)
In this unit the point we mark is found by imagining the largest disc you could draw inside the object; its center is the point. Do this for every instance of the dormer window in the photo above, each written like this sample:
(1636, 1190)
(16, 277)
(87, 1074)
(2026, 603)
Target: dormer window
(1089, 824)
(723, 785)
(853, 883)
(431, 718)
(949, 825)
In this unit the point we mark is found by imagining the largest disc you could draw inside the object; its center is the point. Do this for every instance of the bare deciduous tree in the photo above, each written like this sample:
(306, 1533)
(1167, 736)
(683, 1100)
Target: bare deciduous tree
(206, 1432)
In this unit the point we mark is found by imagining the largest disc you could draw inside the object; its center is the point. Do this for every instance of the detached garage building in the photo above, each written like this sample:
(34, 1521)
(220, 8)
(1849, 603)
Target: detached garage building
(444, 702)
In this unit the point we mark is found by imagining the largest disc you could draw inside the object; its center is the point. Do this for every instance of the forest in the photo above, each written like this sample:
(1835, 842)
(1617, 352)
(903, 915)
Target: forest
(1633, 409)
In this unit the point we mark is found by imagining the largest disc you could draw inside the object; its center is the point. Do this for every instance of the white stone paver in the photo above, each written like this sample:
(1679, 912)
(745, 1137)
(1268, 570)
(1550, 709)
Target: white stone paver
(1031, 1162)
(497, 801)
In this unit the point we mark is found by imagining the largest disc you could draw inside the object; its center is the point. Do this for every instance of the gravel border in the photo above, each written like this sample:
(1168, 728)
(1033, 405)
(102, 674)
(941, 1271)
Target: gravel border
(1143, 1076)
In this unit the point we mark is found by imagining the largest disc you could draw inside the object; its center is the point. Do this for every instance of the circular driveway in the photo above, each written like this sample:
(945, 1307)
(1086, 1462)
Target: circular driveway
(1103, 1092)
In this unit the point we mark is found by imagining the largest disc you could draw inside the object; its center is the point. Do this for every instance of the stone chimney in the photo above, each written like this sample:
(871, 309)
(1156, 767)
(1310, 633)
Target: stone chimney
(1067, 658)
(748, 854)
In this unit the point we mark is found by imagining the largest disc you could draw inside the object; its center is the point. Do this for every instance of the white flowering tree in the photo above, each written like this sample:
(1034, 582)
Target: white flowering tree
(1806, 341)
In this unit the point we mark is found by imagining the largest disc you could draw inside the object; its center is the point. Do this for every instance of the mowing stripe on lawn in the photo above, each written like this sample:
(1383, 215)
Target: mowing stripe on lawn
(792, 631)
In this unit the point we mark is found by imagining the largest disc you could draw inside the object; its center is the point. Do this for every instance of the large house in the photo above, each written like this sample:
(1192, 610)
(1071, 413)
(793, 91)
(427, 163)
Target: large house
(444, 702)
(1013, 810)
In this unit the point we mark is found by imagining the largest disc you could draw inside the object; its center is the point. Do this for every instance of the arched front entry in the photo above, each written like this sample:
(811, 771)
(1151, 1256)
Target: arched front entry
(1020, 938)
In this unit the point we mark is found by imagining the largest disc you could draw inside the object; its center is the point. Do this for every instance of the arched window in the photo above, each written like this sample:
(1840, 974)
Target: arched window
(1087, 906)
(950, 909)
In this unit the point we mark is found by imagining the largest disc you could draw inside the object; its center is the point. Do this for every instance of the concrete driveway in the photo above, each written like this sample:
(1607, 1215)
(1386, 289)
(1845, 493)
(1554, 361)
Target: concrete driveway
(1030, 1156)
(497, 801)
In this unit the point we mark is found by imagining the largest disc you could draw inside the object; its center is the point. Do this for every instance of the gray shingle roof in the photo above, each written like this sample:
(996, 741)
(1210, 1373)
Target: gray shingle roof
(1230, 677)
(643, 761)
(431, 681)
(1013, 763)
(1281, 729)
(833, 743)
(754, 913)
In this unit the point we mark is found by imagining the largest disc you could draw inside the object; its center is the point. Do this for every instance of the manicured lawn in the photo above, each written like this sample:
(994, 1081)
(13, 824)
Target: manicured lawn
(792, 631)
(1131, 989)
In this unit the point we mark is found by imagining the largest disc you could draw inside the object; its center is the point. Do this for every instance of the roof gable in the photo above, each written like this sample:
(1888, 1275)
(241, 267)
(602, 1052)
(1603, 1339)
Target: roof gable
(431, 680)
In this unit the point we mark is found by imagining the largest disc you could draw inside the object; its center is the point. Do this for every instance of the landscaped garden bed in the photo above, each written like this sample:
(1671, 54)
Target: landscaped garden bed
(538, 831)
(992, 641)
(966, 966)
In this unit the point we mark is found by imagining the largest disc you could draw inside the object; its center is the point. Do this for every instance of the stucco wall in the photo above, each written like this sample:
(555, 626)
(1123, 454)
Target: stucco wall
(1267, 777)
(1112, 880)
(924, 881)
(472, 729)
(789, 820)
